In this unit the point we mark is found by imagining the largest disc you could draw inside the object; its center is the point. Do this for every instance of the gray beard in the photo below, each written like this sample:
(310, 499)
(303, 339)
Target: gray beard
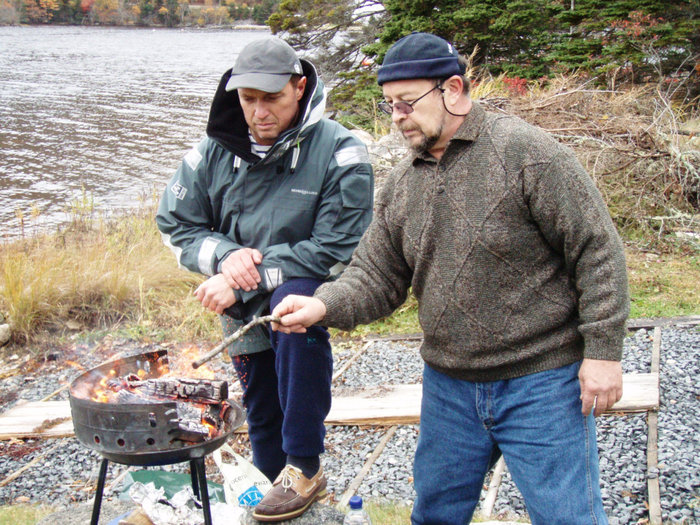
(428, 141)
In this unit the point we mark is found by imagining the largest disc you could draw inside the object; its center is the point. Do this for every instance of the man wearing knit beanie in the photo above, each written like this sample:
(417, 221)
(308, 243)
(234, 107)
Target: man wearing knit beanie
(521, 284)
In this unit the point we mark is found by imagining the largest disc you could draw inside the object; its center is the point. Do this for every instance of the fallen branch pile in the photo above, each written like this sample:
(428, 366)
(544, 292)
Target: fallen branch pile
(645, 161)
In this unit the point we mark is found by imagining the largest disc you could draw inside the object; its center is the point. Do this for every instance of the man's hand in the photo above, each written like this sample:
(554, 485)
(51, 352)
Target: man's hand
(601, 385)
(240, 271)
(297, 312)
(215, 294)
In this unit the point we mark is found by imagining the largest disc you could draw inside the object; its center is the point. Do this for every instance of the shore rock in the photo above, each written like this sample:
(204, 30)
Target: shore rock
(5, 334)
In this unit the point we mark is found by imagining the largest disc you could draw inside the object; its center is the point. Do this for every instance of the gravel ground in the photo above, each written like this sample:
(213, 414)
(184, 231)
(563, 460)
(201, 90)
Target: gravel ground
(67, 474)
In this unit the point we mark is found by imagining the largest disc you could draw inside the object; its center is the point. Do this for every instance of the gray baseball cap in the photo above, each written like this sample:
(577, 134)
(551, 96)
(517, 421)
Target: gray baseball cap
(266, 64)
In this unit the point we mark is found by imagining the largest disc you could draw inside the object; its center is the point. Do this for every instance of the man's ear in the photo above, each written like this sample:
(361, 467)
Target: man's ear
(301, 87)
(453, 87)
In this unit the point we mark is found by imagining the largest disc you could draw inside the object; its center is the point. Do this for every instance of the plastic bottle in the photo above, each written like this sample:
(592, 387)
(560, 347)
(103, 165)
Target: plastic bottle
(357, 515)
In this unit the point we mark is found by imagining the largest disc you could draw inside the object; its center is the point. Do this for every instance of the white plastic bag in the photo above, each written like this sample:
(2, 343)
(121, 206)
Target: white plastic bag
(244, 484)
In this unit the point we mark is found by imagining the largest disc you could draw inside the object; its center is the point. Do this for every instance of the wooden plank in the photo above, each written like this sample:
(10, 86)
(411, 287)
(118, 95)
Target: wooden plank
(653, 469)
(653, 488)
(33, 420)
(385, 406)
(394, 405)
(355, 483)
(636, 324)
(656, 350)
(400, 404)
(492, 492)
(640, 392)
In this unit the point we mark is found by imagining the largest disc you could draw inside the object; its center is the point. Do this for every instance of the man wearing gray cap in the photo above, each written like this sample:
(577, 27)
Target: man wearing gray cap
(522, 290)
(272, 202)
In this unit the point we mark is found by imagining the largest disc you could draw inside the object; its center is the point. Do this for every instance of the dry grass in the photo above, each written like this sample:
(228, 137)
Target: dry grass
(96, 274)
(639, 145)
(23, 514)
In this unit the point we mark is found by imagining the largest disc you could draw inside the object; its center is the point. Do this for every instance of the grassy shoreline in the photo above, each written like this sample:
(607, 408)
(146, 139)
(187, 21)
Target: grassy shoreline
(116, 275)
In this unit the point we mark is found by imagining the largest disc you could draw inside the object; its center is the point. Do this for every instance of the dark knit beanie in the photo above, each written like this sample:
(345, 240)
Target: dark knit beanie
(420, 55)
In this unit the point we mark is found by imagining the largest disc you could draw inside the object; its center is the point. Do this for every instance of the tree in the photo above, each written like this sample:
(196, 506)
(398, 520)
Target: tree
(40, 11)
(106, 11)
(333, 31)
(515, 32)
(9, 15)
(629, 39)
(612, 39)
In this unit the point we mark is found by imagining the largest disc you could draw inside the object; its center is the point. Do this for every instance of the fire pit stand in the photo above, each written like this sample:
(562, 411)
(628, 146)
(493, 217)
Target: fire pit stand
(143, 434)
(199, 479)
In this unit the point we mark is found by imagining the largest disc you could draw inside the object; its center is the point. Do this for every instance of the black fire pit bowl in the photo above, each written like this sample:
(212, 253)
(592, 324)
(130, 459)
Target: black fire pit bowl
(138, 434)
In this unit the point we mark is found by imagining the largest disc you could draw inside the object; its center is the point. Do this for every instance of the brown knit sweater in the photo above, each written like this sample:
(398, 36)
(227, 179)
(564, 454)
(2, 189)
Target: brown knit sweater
(510, 251)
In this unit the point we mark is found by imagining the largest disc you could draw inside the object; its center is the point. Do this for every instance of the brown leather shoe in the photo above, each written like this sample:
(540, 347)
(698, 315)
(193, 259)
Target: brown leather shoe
(291, 494)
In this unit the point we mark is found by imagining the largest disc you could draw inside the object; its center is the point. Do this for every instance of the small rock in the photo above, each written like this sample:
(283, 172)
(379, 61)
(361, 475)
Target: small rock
(5, 334)
(73, 325)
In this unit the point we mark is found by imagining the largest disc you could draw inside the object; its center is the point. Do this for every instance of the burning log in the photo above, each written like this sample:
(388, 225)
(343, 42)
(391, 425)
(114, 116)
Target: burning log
(205, 391)
(192, 431)
(201, 403)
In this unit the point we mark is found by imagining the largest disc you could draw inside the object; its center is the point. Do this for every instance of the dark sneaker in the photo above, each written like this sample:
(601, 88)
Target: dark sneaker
(291, 494)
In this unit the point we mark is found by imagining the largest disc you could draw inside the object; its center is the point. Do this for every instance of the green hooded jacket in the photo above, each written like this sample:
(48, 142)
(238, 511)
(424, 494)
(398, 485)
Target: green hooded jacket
(304, 206)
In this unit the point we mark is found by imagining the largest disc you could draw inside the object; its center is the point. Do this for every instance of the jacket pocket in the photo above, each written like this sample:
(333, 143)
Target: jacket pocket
(356, 199)
(292, 219)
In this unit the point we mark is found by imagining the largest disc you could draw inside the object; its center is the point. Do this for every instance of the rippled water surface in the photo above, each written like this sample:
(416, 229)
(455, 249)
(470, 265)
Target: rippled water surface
(101, 113)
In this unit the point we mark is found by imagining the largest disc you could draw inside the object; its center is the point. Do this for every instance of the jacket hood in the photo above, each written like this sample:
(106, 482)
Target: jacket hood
(228, 127)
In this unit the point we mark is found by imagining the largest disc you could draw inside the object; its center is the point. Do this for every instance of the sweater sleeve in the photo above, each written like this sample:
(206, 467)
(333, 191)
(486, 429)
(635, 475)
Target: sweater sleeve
(572, 216)
(378, 278)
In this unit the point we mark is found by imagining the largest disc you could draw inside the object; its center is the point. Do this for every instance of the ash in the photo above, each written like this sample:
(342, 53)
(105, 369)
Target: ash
(68, 473)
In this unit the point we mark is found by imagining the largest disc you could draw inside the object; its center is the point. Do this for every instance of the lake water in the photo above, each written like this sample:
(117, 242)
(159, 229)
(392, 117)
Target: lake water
(102, 113)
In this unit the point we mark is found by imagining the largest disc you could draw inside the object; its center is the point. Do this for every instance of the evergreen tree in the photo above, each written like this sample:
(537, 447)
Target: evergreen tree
(498, 32)
(630, 39)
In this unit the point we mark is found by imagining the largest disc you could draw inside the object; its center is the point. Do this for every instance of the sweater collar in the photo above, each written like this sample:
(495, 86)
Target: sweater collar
(471, 127)
(468, 131)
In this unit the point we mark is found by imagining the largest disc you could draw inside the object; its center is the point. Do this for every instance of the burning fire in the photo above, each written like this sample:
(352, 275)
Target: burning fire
(139, 382)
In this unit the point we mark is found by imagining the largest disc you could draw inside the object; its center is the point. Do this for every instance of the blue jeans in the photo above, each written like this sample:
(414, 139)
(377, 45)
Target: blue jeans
(536, 423)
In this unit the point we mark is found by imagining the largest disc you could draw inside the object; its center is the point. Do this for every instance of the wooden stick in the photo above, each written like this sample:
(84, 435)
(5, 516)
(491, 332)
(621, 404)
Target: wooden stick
(653, 469)
(656, 350)
(653, 444)
(231, 338)
(350, 361)
(17, 473)
(355, 484)
(490, 498)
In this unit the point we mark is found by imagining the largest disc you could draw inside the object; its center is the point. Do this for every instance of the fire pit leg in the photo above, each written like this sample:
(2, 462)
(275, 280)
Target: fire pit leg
(193, 474)
(98, 493)
(202, 482)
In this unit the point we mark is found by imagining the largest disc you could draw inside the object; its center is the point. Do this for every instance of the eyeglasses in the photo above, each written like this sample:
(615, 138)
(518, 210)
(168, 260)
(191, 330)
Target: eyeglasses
(405, 108)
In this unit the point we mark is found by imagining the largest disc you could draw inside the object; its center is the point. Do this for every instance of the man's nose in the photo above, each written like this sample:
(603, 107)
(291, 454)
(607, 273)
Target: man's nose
(261, 109)
(397, 116)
